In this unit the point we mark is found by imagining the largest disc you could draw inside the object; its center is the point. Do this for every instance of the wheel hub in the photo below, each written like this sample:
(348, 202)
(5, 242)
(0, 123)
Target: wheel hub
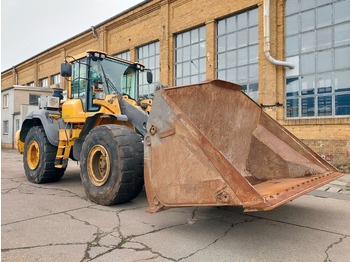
(33, 155)
(98, 165)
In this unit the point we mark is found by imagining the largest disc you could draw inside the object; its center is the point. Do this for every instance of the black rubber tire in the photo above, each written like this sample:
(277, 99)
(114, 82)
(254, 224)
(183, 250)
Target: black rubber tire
(45, 172)
(125, 150)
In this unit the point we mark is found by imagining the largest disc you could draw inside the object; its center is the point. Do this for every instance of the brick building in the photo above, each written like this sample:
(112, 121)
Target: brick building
(187, 41)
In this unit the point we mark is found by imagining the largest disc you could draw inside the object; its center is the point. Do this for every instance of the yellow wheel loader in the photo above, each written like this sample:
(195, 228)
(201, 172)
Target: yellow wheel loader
(206, 144)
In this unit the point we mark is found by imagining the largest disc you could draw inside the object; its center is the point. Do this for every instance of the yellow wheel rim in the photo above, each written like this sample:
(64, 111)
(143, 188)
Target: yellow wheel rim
(98, 165)
(33, 155)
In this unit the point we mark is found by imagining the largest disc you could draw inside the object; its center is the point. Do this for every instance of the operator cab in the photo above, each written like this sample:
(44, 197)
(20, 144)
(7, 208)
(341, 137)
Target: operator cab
(97, 75)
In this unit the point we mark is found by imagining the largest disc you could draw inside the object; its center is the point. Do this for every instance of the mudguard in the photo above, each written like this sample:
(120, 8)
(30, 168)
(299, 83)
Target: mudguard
(44, 118)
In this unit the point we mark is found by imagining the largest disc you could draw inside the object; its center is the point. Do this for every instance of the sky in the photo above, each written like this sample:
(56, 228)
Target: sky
(29, 27)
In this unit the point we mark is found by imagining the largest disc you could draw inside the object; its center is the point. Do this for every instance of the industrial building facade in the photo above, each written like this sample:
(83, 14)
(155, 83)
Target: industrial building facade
(188, 41)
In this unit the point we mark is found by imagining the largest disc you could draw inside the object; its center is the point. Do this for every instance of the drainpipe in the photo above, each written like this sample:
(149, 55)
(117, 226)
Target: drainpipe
(15, 71)
(13, 128)
(94, 33)
(267, 38)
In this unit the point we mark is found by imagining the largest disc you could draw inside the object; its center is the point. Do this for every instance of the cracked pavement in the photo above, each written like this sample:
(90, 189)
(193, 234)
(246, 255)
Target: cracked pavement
(56, 222)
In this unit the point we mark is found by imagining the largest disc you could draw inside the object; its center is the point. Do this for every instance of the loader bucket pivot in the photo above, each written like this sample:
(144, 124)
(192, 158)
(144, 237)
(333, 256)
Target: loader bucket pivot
(209, 144)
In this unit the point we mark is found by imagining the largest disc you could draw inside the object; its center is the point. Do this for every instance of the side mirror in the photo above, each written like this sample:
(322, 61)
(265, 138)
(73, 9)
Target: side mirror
(66, 69)
(149, 77)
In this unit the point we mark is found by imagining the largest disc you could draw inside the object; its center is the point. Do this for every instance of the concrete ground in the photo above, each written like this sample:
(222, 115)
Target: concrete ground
(56, 222)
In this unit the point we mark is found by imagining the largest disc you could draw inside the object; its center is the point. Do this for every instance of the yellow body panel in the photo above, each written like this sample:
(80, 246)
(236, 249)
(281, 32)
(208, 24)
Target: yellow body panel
(73, 112)
(68, 135)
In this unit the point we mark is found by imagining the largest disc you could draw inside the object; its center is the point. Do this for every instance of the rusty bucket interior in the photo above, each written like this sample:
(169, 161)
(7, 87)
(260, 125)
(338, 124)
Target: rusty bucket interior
(209, 144)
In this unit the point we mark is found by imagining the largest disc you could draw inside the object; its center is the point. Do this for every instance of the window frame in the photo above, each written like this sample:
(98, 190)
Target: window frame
(31, 99)
(5, 129)
(320, 79)
(153, 54)
(5, 101)
(230, 52)
(184, 65)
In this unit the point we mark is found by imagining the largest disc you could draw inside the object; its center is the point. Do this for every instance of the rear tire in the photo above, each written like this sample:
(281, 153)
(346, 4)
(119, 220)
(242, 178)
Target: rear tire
(111, 164)
(39, 158)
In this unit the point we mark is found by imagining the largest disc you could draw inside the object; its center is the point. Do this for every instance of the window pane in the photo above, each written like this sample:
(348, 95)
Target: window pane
(231, 24)
(253, 92)
(221, 43)
(342, 58)
(307, 85)
(242, 56)
(221, 61)
(292, 25)
(194, 51)
(324, 15)
(194, 36)
(292, 86)
(231, 58)
(242, 74)
(253, 35)
(307, 20)
(292, 107)
(242, 38)
(291, 6)
(342, 104)
(324, 38)
(292, 45)
(221, 27)
(253, 54)
(179, 40)
(231, 75)
(222, 75)
(253, 73)
(242, 20)
(308, 42)
(324, 83)
(307, 4)
(307, 63)
(202, 35)
(322, 2)
(202, 65)
(253, 17)
(342, 11)
(324, 105)
(231, 41)
(324, 61)
(342, 34)
(341, 81)
(308, 106)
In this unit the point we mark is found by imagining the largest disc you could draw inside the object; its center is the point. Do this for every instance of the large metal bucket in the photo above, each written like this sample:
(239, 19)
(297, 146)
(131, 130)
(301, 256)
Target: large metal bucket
(209, 144)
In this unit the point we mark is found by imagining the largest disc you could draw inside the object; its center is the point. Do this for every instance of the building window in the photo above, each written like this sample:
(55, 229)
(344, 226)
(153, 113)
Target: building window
(5, 129)
(238, 49)
(190, 56)
(317, 36)
(44, 82)
(5, 101)
(149, 56)
(30, 84)
(33, 99)
(124, 55)
(56, 80)
(17, 125)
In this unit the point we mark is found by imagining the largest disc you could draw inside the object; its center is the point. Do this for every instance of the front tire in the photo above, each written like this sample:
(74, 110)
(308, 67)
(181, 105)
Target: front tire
(111, 164)
(39, 158)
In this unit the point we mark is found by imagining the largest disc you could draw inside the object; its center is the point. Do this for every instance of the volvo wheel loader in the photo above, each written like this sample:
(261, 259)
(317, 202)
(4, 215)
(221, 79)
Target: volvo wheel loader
(206, 144)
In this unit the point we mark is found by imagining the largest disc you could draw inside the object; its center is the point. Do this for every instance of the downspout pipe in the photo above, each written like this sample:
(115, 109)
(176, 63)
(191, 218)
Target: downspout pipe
(16, 75)
(267, 38)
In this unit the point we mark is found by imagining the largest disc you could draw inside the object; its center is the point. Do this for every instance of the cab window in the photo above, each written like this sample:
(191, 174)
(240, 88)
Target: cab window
(79, 81)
